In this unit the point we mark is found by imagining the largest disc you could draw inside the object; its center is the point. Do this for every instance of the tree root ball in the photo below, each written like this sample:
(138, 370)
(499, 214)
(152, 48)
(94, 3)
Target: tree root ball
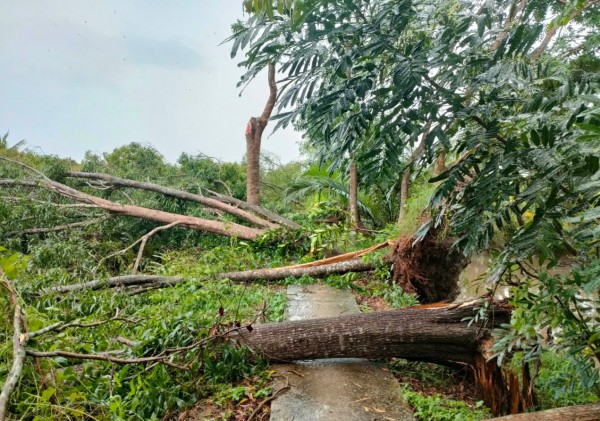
(429, 268)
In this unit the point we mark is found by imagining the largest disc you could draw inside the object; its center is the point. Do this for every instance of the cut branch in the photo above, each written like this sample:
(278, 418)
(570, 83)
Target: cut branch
(192, 222)
(167, 191)
(143, 240)
(18, 353)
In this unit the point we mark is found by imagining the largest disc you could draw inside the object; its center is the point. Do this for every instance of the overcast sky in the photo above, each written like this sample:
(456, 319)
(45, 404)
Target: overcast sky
(78, 75)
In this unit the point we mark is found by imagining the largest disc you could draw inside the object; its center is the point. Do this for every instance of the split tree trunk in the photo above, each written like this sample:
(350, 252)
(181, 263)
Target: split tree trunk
(254, 131)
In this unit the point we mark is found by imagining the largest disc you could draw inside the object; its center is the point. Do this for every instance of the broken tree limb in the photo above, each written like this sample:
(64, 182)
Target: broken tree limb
(143, 240)
(114, 282)
(589, 412)
(58, 228)
(342, 257)
(167, 191)
(271, 216)
(354, 265)
(104, 357)
(228, 229)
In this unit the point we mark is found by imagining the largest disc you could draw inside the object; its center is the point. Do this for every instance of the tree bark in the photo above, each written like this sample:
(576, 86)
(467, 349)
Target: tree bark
(353, 199)
(435, 333)
(228, 229)
(589, 412)
(420, 333)
(254, 131)
(354, 265)
(210, 202)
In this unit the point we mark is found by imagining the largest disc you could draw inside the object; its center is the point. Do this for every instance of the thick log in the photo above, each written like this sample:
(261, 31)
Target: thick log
(167, 191)
(228, 229)
(589, 412)
(353, 265)
(421, 333)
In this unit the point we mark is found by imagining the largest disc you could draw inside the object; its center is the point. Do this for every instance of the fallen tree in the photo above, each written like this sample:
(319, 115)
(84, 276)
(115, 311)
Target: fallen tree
(435, 333)
(210, 202)
(229, 229)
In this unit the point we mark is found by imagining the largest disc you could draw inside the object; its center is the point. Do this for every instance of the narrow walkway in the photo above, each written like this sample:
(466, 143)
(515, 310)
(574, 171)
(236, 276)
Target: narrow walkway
(333, 389)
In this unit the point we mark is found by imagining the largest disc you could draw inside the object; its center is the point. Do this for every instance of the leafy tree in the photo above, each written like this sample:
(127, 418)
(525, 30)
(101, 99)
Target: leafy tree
(494, 84)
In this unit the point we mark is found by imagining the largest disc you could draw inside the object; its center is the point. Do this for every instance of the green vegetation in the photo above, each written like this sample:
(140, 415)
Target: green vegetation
(488, 124)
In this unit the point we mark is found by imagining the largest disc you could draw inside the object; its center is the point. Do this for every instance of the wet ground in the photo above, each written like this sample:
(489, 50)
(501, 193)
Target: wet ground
(333, 389)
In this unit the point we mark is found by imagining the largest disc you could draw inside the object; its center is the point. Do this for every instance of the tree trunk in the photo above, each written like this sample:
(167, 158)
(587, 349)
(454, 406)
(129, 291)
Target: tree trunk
(254, 131)
(440, 163)
(427, 334)
(353, 199)
(404, 192)
(210, 202)
(228, 229)
(405, 183)
(424, 333)
(354, 265)
(589, 412)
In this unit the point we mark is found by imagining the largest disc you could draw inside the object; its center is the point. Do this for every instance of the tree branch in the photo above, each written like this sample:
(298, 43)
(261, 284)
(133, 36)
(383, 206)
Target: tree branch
(57, 228)
(228, 229)
(97, 357)
(113, 282)
(18, 353)
(167, 191)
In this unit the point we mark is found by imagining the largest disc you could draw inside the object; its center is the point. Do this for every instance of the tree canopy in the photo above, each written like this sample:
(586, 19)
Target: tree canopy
(510, 88)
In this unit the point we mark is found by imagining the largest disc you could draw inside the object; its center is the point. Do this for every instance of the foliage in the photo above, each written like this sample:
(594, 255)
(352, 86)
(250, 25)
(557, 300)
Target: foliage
(436, 408)
(558, 383)
(154, 321)
(365, 79)
(421, 387)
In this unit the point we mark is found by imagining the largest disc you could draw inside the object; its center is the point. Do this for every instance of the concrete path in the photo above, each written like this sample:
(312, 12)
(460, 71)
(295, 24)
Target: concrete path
(333, 389)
